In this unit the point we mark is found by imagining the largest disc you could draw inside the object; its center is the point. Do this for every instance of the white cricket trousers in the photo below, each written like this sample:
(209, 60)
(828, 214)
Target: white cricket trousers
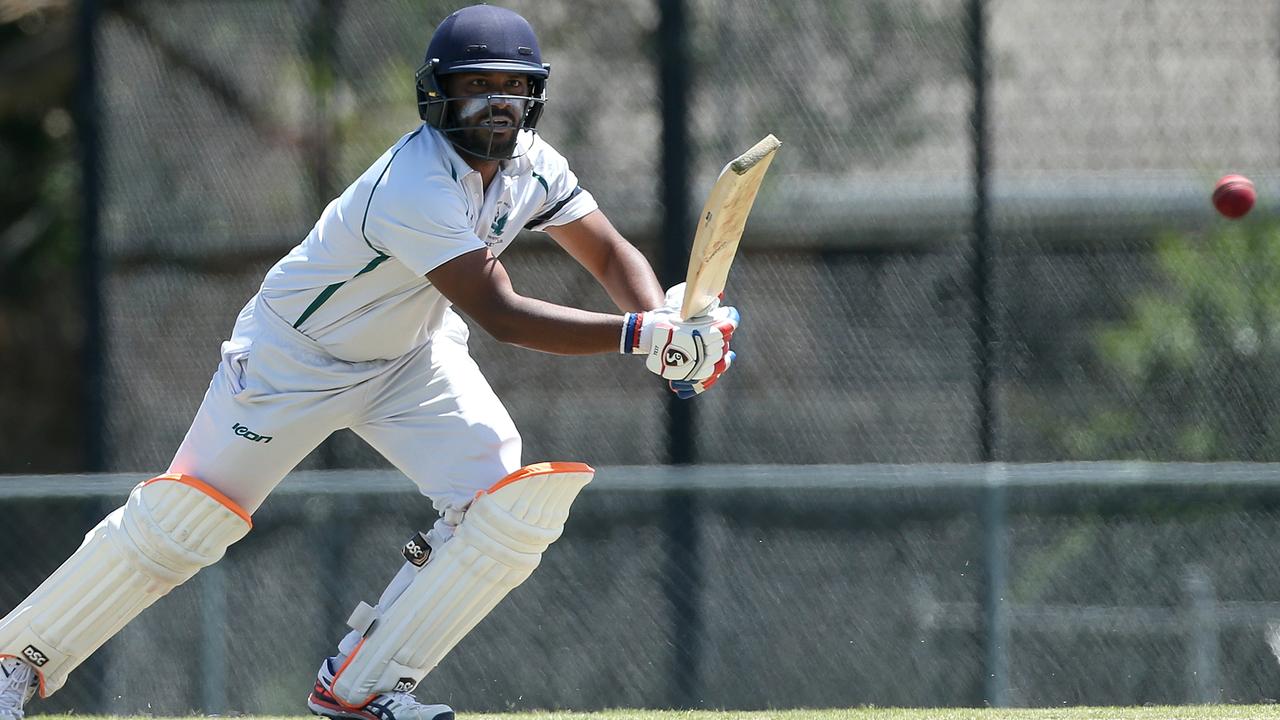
(430, 413)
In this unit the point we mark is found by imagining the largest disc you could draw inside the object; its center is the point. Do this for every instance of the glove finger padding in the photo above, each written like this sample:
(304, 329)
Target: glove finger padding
(685, 389)
(690, 350)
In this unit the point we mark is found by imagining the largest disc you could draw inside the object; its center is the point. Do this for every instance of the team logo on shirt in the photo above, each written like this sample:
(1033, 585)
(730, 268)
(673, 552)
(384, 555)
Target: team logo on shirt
(498, 226)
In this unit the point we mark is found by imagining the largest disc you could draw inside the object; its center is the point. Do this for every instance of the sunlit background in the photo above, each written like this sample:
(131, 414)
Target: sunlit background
(1003, 424)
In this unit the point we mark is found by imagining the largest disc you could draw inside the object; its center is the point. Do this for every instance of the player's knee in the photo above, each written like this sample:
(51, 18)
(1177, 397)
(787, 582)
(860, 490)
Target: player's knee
(174, 525)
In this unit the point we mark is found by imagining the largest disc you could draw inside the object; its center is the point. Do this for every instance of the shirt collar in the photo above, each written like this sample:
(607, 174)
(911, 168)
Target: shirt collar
(457, 166)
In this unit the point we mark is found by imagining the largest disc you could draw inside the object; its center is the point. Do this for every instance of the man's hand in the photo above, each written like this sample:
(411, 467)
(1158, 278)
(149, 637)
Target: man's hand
(685, 389)
(694, 351)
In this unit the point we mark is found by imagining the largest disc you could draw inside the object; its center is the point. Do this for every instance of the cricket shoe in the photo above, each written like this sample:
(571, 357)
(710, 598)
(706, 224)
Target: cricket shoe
(387, 706)
(18, 684)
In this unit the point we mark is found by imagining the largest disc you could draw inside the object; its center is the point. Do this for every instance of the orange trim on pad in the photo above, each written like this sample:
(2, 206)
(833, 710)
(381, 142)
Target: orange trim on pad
(543, 468)
(338, 674)
(36, 670)
(207, 489)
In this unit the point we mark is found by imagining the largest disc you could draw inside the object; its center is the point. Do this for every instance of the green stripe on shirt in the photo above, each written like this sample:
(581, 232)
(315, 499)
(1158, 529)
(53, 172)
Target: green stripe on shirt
(329, 291)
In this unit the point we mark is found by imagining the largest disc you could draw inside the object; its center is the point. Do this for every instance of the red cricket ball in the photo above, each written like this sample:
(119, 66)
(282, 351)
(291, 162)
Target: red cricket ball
(1234, 195)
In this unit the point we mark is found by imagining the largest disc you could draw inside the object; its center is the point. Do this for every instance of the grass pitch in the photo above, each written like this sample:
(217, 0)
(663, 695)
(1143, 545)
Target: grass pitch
(1192, 712)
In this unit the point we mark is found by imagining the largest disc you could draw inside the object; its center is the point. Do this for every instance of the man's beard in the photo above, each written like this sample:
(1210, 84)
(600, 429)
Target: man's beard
(473, 131)
(486, 143)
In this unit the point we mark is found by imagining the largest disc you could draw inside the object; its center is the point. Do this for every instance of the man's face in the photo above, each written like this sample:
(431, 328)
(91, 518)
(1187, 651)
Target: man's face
(491, 122)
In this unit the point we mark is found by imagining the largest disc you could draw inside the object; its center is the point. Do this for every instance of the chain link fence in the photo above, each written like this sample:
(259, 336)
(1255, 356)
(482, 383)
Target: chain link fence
(1128, 322)
(736, 587)
(1107, 125)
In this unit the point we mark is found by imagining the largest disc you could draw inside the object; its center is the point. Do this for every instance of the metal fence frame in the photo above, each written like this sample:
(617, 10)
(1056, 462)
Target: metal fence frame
(994, 618)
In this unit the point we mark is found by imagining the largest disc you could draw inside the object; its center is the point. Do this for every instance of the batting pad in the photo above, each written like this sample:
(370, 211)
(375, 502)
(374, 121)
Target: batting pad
(169, 528)
(498, 543)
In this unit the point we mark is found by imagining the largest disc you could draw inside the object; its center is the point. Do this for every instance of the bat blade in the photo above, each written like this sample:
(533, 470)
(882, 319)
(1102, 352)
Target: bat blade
(720, 226)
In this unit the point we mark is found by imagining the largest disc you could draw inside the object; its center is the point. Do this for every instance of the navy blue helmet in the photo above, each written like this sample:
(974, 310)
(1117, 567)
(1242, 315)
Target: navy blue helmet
(481, 38)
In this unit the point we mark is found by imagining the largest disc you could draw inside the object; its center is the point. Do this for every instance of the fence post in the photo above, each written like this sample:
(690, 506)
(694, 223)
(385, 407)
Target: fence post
(677, 220)
(996, 630)
(682, 587)
(1202, 636)
(682, 577)
(88, 111)
(995, 613)
(981, 247)
(213, 643)
(332, 534)
(322, 66)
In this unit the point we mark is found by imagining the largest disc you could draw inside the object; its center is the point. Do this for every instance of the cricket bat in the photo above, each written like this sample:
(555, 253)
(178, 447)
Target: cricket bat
(720, 226)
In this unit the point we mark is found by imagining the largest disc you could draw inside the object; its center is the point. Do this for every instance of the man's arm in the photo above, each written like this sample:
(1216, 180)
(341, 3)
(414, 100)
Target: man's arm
(690, 354)
(615, 263)
(479, 286)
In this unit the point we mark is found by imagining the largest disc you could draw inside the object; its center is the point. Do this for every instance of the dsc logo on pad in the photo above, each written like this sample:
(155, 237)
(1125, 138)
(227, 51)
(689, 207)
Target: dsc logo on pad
(34, 656)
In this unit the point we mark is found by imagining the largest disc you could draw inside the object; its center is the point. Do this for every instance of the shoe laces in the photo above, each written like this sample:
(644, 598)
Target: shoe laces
(404, 698)
(17, 685)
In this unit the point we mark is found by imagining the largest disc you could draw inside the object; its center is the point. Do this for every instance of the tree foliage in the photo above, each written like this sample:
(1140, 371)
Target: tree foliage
(1190, 372)
(39, 302)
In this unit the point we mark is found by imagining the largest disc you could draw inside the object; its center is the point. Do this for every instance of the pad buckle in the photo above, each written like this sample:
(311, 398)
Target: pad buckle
(362, 618)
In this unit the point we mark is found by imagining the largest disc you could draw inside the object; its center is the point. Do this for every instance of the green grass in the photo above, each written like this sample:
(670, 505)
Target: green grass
(1193, 712)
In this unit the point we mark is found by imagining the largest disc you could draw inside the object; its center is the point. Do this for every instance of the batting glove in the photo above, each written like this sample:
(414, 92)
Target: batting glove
(693, 350)
(685, 389)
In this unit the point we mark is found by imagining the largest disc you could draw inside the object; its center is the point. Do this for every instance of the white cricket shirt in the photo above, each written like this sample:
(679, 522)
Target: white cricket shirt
(357, 283)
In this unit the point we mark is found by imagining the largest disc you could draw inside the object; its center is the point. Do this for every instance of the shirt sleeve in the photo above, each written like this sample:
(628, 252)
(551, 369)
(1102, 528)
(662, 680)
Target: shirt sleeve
(423, 229)
(566, 199)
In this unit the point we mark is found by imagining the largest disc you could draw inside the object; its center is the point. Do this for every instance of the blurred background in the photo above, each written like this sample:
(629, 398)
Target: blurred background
(1005, 422)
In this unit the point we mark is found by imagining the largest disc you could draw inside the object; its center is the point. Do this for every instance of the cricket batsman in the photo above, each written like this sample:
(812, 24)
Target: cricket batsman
(356, 328)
